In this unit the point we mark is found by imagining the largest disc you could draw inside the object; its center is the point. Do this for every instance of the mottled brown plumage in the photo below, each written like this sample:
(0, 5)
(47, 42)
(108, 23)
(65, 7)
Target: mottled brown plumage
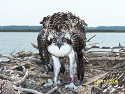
(69, 24)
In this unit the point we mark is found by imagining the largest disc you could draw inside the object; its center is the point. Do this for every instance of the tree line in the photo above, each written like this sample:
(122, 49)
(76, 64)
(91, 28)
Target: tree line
(38, 28)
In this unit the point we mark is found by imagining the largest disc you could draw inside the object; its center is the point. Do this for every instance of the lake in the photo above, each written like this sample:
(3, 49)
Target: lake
(21, 41)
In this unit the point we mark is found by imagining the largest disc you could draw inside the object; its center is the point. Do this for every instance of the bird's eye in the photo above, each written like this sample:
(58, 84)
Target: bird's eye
(53, 40)
(64, 40)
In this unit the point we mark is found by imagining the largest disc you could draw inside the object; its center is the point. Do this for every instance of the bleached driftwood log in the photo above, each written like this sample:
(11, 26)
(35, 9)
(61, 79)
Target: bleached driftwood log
(107, 58)
(91, 80)
(26, 90)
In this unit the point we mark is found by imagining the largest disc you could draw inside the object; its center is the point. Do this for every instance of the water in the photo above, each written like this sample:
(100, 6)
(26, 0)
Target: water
(107, 39)
(21, 41)
(17, 41)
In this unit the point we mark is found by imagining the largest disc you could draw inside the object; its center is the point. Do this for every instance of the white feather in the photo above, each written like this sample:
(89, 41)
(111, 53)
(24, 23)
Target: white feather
(63, 51)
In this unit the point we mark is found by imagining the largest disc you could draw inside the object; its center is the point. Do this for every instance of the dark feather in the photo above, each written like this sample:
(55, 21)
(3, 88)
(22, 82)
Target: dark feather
(78, 42)
(42, 46)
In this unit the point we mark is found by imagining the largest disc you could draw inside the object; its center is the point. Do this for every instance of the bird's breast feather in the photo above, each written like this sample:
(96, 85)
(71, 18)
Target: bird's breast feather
(63, 51)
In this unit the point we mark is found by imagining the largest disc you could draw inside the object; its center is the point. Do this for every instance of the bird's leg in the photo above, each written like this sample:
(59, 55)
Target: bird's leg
(72, 70)
(72, 67)
(56, 68)
(56, 65)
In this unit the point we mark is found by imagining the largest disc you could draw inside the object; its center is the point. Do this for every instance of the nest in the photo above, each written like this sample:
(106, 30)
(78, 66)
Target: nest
(23, 73)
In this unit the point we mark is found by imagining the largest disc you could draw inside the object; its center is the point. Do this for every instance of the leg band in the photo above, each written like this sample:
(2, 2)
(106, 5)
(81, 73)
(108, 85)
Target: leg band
(72, 80)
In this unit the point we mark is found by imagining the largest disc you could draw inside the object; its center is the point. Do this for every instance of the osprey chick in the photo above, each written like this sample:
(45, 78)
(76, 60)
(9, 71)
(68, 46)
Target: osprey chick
(63, 34)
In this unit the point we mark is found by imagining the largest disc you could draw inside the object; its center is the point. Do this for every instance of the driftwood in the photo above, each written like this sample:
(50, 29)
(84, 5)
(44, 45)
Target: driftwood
(34, 45)
(27, 90)
(19, 82)
(2, 76)
(52, 90)
(91, 80)
(108, 58)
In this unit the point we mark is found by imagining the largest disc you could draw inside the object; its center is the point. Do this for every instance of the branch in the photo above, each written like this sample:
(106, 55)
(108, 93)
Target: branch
(90, 38)
(12, 58)
(15, 65)
(19, 82)
(88, 48)
(107, 58)
(52, 90)
(91, 80)
(27, 90)
(34, 45)
(5, 77)
(31, 74)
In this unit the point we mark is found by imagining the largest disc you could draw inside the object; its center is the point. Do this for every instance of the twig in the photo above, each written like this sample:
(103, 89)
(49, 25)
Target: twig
(90, 38)
(88, 48)
(11, 58)
(34, 45)
(5, 77)
(12, 52)
(52, 90)
(119, 65)
(22, 80)
(26, 90)
(34, 91)
(18, 65)
(31, 74)
(59, 91)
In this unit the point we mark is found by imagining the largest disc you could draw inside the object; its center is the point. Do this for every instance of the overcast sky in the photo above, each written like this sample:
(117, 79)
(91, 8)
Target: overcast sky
(31, 12)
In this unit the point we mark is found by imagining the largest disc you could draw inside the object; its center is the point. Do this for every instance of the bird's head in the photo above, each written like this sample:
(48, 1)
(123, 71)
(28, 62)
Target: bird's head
(59, 39)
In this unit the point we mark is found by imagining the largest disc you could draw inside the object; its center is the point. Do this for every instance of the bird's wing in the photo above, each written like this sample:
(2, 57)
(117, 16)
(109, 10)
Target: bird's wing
(42, 46)
(78, 41)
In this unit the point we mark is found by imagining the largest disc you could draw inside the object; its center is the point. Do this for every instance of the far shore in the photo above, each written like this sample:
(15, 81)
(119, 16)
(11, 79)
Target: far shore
(89, 31)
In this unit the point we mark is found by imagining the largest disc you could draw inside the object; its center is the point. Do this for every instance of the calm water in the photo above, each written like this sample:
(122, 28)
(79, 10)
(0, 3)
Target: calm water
(107, 39)
(18, 41)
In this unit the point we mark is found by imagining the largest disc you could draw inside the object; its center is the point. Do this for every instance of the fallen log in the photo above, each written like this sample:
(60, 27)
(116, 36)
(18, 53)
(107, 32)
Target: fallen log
(106, 58)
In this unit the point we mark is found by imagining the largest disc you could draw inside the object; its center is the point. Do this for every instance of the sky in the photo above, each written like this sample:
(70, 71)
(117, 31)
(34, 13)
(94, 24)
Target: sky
(93, 12)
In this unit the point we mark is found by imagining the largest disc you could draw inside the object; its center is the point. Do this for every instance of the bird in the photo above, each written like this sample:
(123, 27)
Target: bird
(63, 35)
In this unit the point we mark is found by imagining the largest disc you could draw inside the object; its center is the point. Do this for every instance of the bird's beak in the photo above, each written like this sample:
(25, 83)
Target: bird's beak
(59, 44)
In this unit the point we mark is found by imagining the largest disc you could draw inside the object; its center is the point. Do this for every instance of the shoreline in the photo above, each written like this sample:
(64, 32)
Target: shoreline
(88, 31)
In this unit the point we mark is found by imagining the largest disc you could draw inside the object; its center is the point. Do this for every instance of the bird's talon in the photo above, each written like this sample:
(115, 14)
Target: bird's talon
(50, 82)
(71, 86)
